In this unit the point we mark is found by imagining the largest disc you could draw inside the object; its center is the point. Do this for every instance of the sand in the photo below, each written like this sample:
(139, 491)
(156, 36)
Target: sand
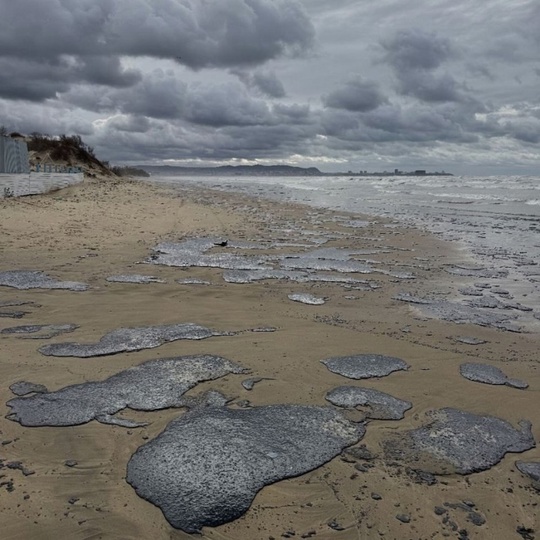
(98, 229)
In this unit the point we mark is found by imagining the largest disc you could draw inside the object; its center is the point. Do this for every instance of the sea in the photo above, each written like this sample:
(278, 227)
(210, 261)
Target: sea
(495, 219)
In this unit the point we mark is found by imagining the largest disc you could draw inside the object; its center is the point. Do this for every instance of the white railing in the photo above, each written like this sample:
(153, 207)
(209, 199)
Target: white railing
(19, 185)
(13, 156)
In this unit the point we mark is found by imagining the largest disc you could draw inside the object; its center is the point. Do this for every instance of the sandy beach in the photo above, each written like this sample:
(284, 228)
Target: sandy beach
(99, 229)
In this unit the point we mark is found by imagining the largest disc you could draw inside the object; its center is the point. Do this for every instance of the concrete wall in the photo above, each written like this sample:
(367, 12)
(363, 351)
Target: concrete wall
(13, 156)
(17, 185)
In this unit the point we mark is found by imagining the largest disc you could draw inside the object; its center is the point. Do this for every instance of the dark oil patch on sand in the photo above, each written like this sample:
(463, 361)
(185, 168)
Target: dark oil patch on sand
(34, 279)
(129, 339)
(153, 385)
(380, 405)
(530, 469)
(487, 374)
(39, 331)
(134, 278)
(459, 441)
(365, 366)
(207, 466)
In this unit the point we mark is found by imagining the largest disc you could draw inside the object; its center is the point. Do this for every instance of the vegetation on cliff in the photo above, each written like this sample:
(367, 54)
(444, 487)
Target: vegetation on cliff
(65, 150)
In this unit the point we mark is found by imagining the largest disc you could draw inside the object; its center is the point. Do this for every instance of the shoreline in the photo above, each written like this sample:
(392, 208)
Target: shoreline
(97, 229)
(496, 238)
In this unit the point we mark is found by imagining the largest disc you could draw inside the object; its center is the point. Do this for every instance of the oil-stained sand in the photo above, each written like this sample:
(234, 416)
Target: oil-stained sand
(208, 465)
(150, 386)
(90, 232)
(129, 339)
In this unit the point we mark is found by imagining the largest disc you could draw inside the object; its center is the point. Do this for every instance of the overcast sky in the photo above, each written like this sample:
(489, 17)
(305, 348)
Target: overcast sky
(336, 84)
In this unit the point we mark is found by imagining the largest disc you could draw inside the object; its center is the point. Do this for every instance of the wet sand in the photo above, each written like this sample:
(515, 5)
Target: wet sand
(95, 230)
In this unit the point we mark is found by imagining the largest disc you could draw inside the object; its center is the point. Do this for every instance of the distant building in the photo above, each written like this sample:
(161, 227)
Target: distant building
(420, 172)
(13, 156)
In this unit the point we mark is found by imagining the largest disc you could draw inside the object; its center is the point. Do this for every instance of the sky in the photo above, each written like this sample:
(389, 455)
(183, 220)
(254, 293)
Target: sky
(342, 85)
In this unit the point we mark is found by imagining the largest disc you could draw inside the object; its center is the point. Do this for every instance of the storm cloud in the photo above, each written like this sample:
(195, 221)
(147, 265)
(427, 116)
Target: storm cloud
(356, 95)
(415, 56)
(411, 50)
(339, 84)
(266, 83)
(197, 34)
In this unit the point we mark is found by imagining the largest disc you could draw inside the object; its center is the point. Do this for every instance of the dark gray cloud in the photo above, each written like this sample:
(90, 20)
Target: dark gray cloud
(265, 82)
(356, 95)
(476, 68)
(224, 105)
(269, 84)
(508, 48)
(150, 80)
(338, 124)
(54, 119)
(130, 123)
(22, 79)
(197, 34)
(393, 123)
(523, 128)
(293, 114)
(46, 47)
(33, 80)
(416, 50)
(160, 94)
(107, 71)
(164, 140)
(415, 57)
(426, 86)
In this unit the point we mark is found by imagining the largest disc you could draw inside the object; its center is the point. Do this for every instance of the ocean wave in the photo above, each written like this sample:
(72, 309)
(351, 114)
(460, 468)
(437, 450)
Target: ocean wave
(447, 201)
(533, 202)
(475, 197)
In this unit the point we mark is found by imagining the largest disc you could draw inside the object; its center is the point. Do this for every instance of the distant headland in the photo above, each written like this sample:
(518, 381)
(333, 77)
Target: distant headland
(271, 170)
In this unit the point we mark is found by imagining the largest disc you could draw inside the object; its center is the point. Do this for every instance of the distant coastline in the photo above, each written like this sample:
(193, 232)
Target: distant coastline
(271, 170)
